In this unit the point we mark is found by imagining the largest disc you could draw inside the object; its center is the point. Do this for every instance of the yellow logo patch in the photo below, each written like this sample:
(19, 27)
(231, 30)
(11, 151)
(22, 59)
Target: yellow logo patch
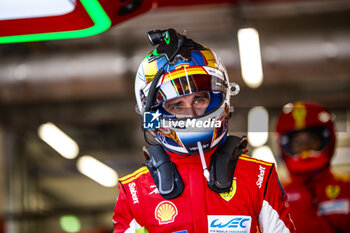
(299, 114)
(165, 212)
(229, 195)
(332, 191)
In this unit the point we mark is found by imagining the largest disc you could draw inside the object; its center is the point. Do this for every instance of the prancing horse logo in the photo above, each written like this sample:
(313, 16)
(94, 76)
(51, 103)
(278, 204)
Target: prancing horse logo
(229, 195)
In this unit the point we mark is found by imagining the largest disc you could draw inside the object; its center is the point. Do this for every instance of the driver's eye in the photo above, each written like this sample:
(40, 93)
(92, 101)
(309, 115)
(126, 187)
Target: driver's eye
(199, 100)
(176, 107)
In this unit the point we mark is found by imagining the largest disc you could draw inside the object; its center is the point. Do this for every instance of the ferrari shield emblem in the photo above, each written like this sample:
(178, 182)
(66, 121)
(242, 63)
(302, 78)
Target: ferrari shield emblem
(229, 195)
(332, 191)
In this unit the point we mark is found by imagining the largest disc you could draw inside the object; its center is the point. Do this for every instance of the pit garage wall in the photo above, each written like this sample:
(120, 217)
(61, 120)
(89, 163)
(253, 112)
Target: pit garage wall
(2, 181)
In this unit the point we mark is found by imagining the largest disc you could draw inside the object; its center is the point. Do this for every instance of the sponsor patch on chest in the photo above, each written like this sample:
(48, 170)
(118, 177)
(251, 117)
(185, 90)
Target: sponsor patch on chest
(333, 207)
(293, 196)
(165, 212)
(229, 223)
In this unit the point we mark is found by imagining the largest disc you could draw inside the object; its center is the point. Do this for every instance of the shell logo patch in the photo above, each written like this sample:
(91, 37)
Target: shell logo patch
(165, 212)
(229, 195)
(332, 191)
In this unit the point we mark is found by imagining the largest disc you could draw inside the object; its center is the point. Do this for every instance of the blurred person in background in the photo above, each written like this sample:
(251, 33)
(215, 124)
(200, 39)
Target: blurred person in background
(319, 200)
(196, 178)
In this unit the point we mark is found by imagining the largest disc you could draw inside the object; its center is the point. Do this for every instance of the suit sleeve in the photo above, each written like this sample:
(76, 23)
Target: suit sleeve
(123, 219)
(274, 216)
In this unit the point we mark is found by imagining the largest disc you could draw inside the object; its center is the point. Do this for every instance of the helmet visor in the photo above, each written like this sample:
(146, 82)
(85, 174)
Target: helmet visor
(188, 85)
(187, 81)
(296, 142)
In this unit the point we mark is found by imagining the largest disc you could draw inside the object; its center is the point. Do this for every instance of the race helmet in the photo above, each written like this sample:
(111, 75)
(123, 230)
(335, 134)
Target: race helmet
(306, 136)
(193, 69)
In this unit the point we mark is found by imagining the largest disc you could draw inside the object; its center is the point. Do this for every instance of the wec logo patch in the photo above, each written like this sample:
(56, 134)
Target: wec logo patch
(229, 223)
(341, 206)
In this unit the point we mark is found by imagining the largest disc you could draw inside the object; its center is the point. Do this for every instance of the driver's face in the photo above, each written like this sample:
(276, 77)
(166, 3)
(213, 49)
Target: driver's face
(189, 105)
(304, 141)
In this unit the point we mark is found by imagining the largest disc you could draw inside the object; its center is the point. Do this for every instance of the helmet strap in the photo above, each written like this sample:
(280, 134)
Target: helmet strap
(204, 165)
(152, 91)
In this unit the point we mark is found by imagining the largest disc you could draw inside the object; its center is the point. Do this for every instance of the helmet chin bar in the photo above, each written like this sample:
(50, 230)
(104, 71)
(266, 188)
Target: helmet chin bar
(189, 132)
(302, 166)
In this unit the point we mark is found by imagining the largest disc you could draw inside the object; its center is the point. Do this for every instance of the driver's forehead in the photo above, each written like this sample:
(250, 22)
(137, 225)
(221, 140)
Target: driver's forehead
(188, 97)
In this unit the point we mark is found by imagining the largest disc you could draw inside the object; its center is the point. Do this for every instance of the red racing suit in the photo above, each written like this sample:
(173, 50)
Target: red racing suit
(255, 202)
(319, 203)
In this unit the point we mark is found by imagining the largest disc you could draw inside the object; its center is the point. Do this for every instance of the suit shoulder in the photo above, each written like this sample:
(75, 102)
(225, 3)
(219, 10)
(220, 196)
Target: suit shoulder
(341, 177)
(249, 161)
(258, 172)
(133, 176)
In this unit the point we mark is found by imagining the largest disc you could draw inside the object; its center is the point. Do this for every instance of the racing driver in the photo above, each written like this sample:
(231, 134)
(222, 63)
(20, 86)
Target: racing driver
(319, 200)
(196, 178)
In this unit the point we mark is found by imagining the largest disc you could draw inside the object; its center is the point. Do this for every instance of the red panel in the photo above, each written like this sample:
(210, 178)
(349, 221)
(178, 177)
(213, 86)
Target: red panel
(168, 3)
(114, 8)
(75, 20)
(165, 3)
(122, 10)
(118, 11)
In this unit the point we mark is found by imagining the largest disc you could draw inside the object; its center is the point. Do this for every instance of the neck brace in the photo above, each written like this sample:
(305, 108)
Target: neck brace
(221, 169)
